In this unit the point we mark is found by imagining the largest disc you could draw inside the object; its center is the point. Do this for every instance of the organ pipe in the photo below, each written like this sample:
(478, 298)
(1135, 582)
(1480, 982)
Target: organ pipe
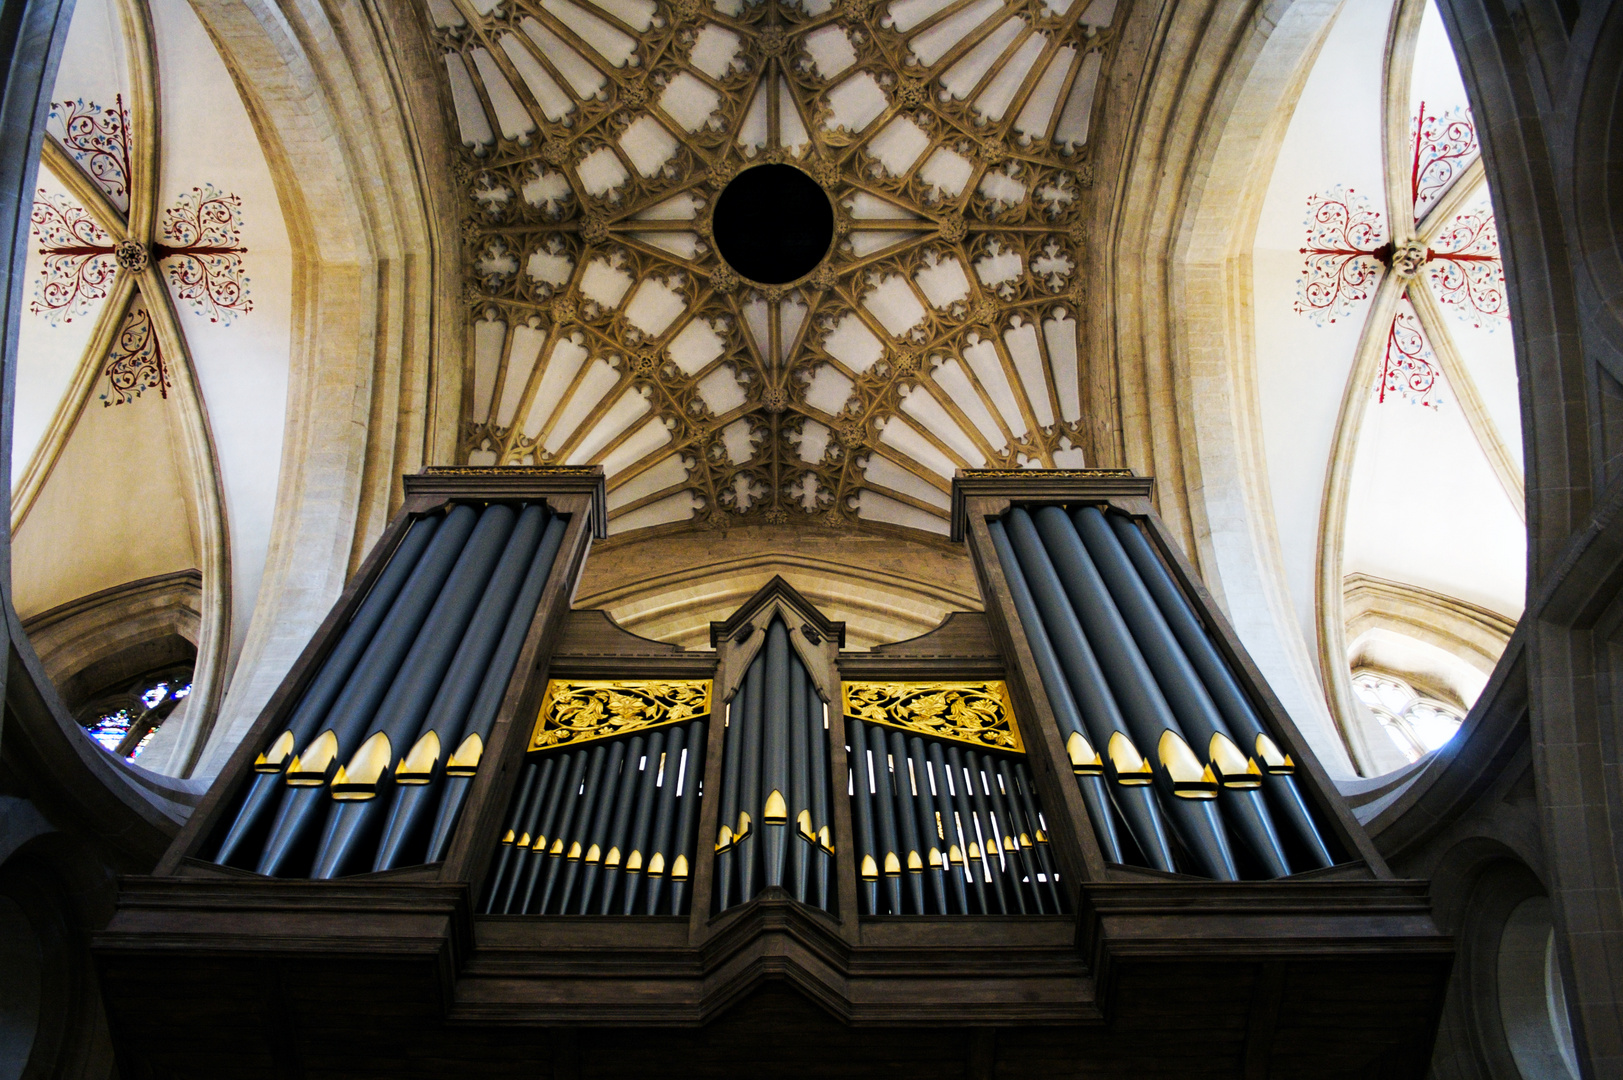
(1224, 689)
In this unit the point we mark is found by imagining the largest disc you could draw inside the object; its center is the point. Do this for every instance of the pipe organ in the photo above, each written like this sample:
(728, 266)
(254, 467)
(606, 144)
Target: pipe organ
(1071, 834)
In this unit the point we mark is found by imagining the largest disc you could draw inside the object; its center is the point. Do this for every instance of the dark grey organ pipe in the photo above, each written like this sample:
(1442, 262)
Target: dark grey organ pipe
(1039, 837)
(884, 802)
(800, 852)
(821, 823)
(1014, 857)
(748, 845)
(357, 703)
(907, 824)
(510, 839)
(868, 857)
(658, 858)
(533, 851)
(732, 767)
(1218, 678)
(687, 827)
(324, 688)
(597, 832)
(952, 849)
(1067, 666)
(932, 848)
(637, 853)
(416, 792)
(615, 850)
(1182, 687)
(775, 756)
(495, 677)
(567, 849)
(548, 847)
(991, 847)
(1128, 674)
(384, 742)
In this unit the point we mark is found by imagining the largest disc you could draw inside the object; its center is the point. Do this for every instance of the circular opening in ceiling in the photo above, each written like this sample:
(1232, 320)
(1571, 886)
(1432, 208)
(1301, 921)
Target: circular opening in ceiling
(773, 224)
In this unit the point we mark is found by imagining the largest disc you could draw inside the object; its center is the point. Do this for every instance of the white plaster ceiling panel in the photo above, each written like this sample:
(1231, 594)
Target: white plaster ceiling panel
(1332, 146)
(939, 332)
(161, 282)
(216, 185)
(1381, 265)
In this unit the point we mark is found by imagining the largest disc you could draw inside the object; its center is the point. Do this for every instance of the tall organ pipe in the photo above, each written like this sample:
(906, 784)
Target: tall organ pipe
(687, 827)
(1141, 700)
(884, 803)
(358, 702)
(1068, 667)
(329, 681)
(497, 673)
(821, 823)
(868, 854)
(357, 783)
(775, 756)
(660, 853)
(1239, 784)
(1219, 680)
(420, 767)
(567, 849)
(748, 697)
(745, 838)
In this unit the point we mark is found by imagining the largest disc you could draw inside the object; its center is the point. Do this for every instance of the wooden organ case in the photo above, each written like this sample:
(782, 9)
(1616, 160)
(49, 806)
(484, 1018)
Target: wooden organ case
(478, 833)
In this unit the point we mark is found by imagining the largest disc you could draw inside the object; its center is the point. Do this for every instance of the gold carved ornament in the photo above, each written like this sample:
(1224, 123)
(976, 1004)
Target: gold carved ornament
(977, 713)
(577, 711)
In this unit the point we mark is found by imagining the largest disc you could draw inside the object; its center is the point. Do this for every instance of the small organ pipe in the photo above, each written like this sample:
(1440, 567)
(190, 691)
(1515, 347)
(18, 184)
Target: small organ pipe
(907, 824)
(563, 857)
(1239, 783)
(821, 821)
(470, 737)
(884, 802)
(1220, 683)
(956, 815)
(548, 847)
(732, 764)
(802, 831)
(1068, 667)
(530, 848)
(1039, 836)
(953, 848)
(596, 832)
(999, 868)
(977, 829)
(638, 853)
(868, 856)
(615, 851)
(324, 689)
(1022, 830)
(1004, 827)
(660, 853)
(931, 837)
(688, 826)
(749, 791)
(515, 822)
(775, 756)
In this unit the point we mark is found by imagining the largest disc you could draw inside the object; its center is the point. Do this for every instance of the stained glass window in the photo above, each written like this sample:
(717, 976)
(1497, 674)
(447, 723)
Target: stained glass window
(125, 719)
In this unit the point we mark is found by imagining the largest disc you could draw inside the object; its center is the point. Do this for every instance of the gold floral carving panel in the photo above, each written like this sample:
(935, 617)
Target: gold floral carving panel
(579, 710)
(977, 713)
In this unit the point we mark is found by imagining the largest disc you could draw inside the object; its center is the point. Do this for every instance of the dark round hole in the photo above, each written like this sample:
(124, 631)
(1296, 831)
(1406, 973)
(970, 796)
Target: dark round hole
(773, 224)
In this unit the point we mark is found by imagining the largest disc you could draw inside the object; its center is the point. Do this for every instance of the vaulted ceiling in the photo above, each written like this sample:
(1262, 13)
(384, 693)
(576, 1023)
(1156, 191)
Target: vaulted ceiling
(941, 330)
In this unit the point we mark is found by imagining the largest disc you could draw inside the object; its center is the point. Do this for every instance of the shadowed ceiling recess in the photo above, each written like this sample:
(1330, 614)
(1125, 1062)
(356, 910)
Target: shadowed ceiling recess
(940, 330)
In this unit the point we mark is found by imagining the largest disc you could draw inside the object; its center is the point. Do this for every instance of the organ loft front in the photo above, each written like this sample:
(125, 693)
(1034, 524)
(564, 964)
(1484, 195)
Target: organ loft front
(1070, 834)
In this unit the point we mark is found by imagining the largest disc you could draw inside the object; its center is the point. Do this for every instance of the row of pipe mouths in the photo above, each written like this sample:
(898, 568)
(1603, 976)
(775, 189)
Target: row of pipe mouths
(373, 765)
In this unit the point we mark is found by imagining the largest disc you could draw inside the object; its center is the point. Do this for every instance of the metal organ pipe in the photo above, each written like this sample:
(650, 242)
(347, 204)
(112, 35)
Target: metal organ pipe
(868, 856)
(1079, 695)
(324, 689)
(687, 827)
(660, 856)
(1188, 789)
(1238, 777)
(733, 764)
(775, 736)
(637, 853)
(469, 737)
(1220, 683)
(822, 825)
(358, 702)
